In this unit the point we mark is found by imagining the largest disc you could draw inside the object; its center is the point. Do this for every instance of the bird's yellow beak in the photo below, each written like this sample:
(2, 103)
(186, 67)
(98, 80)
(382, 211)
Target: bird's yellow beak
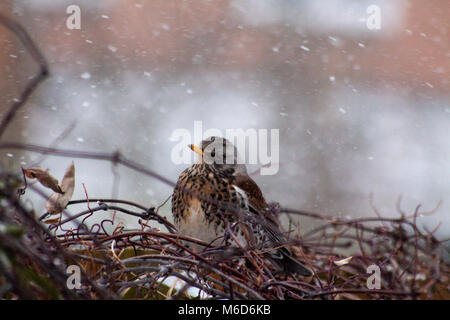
(196, 149)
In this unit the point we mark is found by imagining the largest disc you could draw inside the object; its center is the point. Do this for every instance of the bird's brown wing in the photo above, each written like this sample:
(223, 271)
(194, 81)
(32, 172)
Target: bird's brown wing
(254, 194)
(282, 256)
(255, 197)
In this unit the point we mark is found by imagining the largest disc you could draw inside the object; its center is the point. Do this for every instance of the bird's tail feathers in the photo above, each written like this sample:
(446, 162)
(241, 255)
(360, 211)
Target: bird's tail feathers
(292, 265)
(283, 259)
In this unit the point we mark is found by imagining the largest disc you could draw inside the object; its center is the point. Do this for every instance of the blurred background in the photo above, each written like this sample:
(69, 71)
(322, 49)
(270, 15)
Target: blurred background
(361, 112)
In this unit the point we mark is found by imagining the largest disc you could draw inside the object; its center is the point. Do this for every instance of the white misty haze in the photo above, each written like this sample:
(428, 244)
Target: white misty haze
(356, 114)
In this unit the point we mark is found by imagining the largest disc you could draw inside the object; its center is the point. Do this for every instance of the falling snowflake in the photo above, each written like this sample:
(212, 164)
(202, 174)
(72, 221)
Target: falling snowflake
(85, 75)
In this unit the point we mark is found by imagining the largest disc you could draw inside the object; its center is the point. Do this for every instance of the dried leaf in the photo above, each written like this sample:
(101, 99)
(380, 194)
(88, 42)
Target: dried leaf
(343, 261)
(57, 201)
(45, 178)
(52, 221)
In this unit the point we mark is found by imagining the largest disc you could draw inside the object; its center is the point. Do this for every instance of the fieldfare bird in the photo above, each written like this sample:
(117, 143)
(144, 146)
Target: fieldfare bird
(216, 196)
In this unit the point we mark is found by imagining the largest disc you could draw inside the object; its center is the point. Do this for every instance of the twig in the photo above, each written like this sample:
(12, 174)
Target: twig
(31, 47)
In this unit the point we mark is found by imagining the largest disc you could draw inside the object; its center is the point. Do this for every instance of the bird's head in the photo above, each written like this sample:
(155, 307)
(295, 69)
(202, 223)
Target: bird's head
(221, 153)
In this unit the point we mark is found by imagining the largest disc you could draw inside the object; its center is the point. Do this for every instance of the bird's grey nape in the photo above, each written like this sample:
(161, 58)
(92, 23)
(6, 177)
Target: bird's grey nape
(223, 154)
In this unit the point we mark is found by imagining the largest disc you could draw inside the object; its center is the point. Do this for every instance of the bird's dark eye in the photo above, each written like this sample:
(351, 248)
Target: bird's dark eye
(213, 154)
